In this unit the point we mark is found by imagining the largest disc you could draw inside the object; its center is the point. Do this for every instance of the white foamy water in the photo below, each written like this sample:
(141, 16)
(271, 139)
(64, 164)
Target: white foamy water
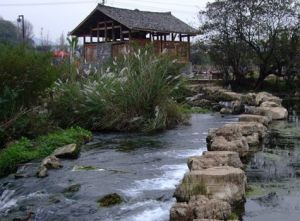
(189, 153)
(171, 177)
(155, 212)
(6, 200)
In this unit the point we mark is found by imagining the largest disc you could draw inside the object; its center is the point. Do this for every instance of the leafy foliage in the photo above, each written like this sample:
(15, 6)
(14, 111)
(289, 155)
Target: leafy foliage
(8, 32)
(26, 71)
(25, 75)
(249, 34)
(135, 91)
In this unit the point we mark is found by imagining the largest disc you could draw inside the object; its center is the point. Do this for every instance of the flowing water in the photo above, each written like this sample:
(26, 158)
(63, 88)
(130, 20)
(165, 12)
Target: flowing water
(274, 173)
(142, 169)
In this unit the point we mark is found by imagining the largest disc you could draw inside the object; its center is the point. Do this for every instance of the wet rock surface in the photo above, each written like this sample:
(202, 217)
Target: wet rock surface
(70, 151)
(223, 183)
(215, 159)
(50, 162)
(255, 118)
(200, 207)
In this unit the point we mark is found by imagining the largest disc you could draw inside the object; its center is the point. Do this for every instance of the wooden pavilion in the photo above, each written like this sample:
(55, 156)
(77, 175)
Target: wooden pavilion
(109, 31)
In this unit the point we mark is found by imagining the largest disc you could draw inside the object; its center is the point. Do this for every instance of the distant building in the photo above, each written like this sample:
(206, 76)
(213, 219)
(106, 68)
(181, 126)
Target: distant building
(108, 32)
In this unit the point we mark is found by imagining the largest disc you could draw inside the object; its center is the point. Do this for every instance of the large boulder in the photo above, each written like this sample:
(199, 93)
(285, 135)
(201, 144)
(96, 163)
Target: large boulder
(236, 137)
(252, 110)
(222, 183)
(214, 159)
(249, 99)
(70, 151)
(232, 132)
(255, 118)
(200, 207)
(219, 94)
(220, 143)
(251, 128)
(276, 113)
(269, 104)
(264, 96)
(235, 130)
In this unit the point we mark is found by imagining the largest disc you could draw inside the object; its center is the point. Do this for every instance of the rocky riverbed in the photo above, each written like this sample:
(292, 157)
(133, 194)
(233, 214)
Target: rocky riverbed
(143, 170)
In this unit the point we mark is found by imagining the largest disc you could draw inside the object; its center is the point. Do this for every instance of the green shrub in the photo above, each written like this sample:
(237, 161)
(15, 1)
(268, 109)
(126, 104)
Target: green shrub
(26, 71)
(25, 75)
(29, 123)
(137, 91)
(25, 150)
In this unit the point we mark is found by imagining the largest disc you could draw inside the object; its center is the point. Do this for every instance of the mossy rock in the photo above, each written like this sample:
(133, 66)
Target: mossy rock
(110, 200)
(254, 190)
(71, 190)
(233, 216)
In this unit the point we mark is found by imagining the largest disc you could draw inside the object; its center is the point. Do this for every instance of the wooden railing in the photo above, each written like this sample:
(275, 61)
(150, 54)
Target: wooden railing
(97, 52)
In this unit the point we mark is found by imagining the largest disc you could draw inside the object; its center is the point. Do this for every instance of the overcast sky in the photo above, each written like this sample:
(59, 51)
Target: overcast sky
(57, 16)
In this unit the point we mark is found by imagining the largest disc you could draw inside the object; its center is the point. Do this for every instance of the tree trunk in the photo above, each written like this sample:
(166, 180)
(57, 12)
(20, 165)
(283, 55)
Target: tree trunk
(260, 80)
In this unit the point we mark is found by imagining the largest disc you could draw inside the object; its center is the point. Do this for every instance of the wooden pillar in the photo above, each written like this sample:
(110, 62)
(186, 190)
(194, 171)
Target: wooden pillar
(174, 36)
(189, 47)
(113, 31)
(84, 45)
(161, 44)
(165, 37)
(105, 31)
(180, 37)
(121, 33)
(98, 40)
(130, 35)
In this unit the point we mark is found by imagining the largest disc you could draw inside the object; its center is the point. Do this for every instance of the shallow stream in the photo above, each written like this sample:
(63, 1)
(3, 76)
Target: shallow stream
(142, 169)
(274, 172)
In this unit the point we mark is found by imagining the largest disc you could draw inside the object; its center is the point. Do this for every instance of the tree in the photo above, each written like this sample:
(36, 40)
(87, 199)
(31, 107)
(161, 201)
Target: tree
(62, 42)
(28, 32)
(253, 31)
(8, 32)
(226, 49)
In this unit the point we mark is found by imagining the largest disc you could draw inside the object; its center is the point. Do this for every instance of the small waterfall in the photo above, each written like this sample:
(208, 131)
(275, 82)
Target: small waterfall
(7, 200)
(226, 104)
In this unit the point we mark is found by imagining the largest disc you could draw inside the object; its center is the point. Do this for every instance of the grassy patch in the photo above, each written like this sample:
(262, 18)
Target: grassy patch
(25, 150)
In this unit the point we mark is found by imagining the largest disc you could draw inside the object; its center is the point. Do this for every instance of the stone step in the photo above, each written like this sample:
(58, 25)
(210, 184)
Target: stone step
(223, 183)
(215, 159)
